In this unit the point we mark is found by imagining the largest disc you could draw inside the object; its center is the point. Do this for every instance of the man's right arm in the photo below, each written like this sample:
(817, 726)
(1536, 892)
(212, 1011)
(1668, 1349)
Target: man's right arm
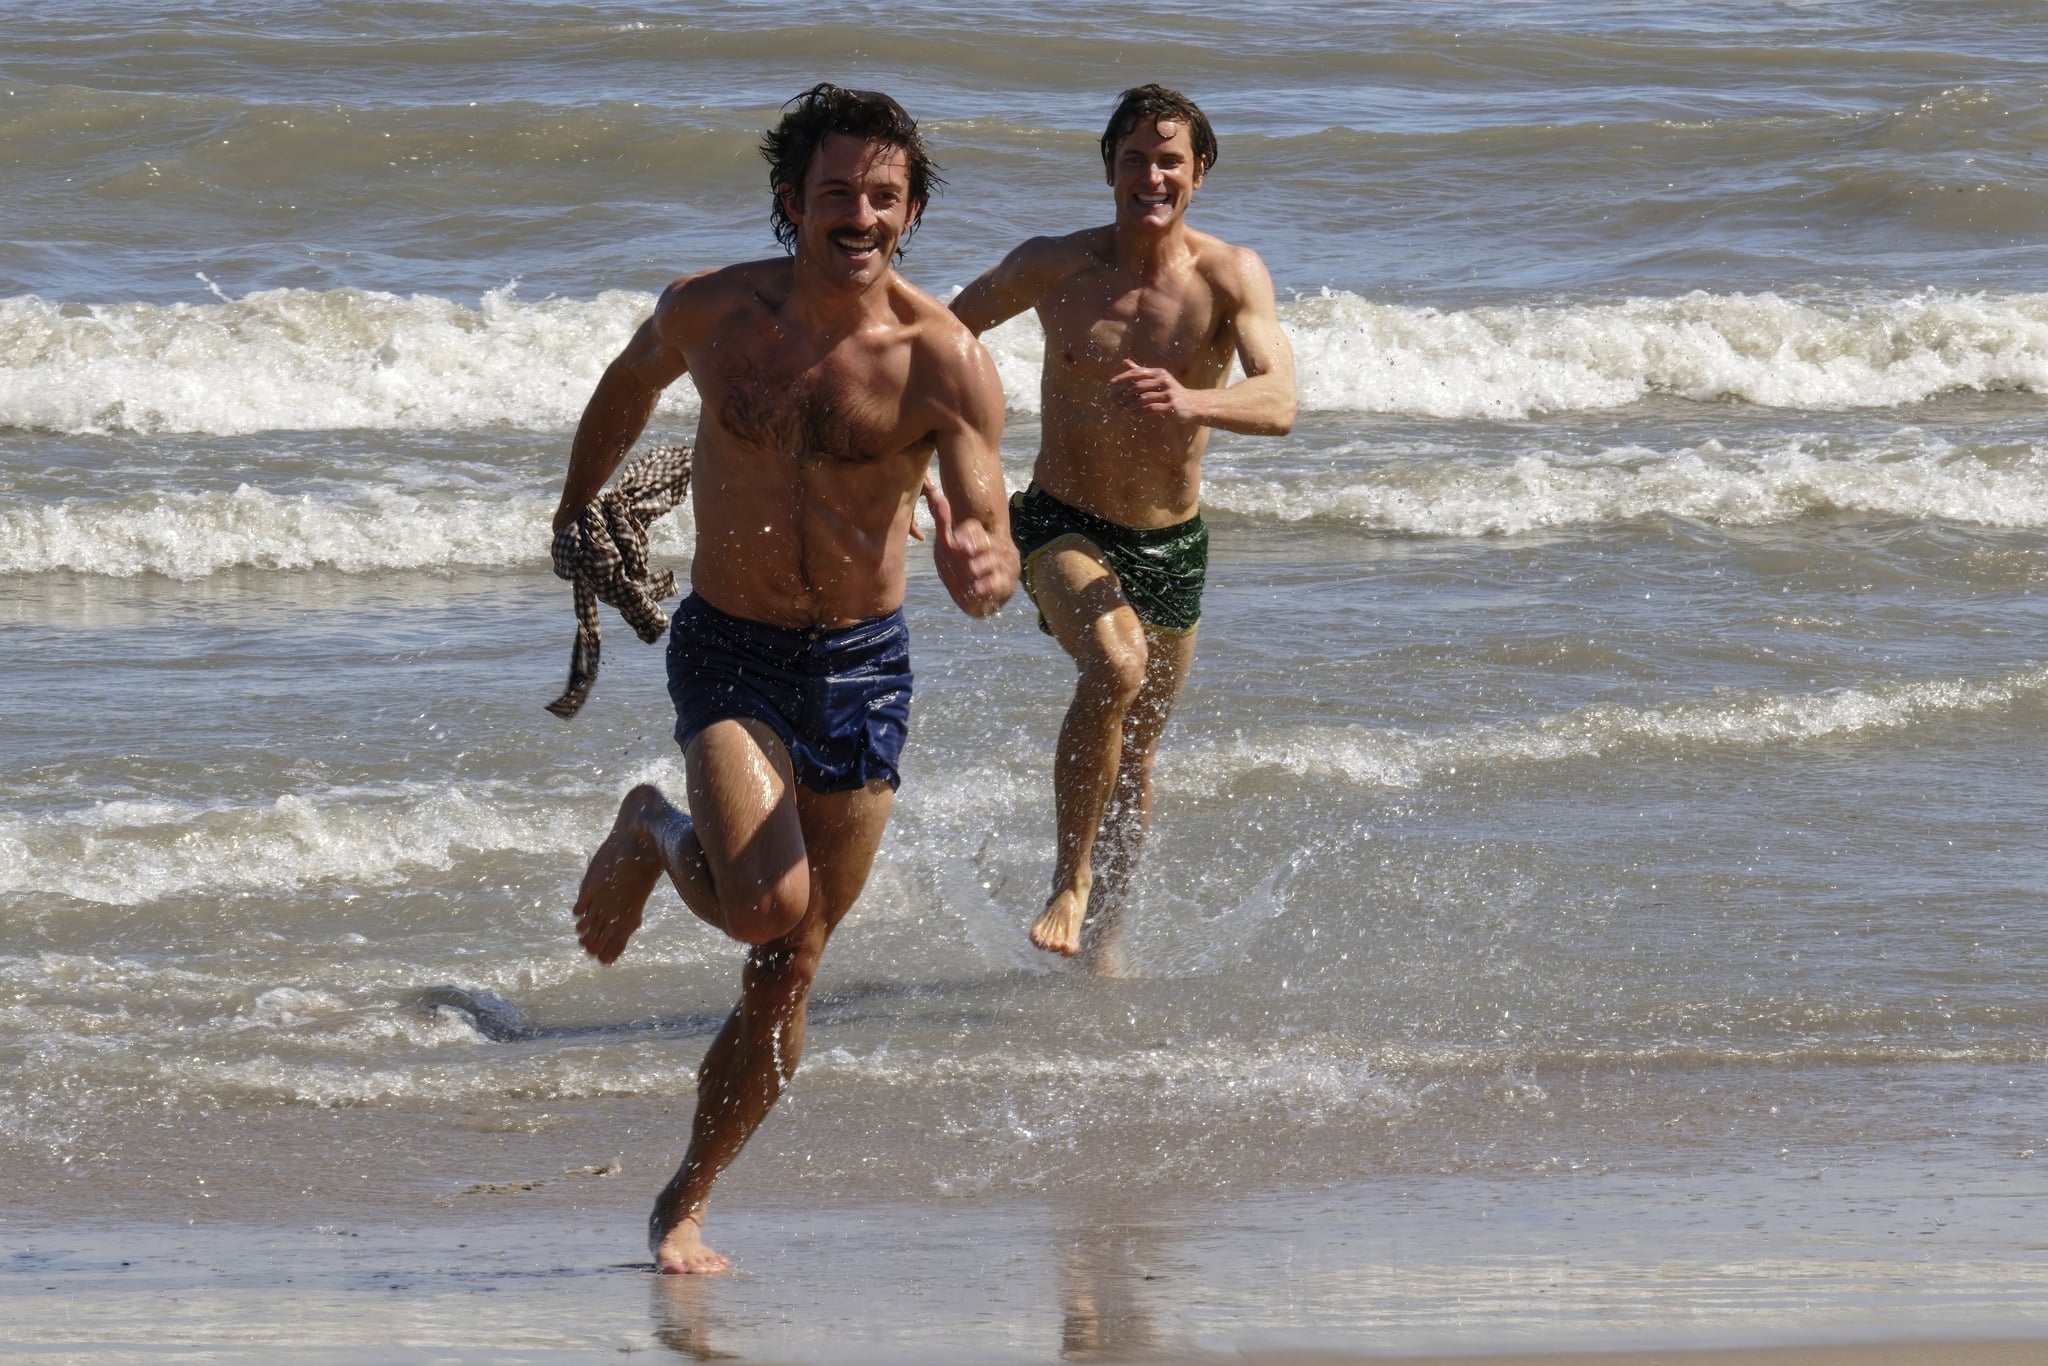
(1012, 286)
(622, 403)
(971, 545)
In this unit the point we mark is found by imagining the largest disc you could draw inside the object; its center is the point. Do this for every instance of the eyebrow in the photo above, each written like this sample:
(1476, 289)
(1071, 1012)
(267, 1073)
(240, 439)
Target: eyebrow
(829, 181)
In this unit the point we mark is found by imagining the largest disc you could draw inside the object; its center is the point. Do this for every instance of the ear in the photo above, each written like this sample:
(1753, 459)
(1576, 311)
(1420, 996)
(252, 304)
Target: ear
(792, 198)
(914, 217)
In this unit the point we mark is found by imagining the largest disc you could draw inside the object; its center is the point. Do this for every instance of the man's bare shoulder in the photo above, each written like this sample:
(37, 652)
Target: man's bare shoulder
(706, 297)
(1038, 264)
(1237, 274)
(949, 355)
(1088, 246)
(931, 324)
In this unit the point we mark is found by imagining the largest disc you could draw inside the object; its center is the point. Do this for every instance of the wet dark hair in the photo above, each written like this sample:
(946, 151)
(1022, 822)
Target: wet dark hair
(865, 114)
(1149, 104)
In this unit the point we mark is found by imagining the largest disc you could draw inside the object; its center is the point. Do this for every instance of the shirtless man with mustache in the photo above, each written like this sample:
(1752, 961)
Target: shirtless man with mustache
(1142, 319)
(829, 384)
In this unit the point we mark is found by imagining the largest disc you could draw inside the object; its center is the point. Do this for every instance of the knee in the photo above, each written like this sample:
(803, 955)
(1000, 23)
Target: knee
(1115, 673)
(762, 915)
(764, 922)
(650, 811)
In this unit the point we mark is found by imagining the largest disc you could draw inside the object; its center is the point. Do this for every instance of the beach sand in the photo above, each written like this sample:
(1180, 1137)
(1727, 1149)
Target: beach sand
(550, 1267)
(1858, 1354)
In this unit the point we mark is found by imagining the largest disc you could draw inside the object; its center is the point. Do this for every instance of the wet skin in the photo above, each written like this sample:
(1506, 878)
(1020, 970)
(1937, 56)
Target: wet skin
(1142, 319)
(829, 384)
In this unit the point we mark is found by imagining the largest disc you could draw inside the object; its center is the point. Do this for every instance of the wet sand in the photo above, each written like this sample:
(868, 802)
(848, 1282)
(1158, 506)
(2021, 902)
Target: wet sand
(552, 1270)
(1861, 1354)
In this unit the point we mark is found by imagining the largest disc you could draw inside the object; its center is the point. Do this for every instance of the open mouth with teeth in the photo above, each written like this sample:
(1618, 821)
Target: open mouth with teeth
(857, 245)
(1152, 201)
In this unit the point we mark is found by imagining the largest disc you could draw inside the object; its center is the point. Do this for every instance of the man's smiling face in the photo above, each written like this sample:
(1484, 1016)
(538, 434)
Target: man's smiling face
(854, 208)
(1155, 174)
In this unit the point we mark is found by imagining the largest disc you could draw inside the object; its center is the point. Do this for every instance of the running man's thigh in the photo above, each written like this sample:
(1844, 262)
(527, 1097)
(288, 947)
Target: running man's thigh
(842, 831)
(743, 800)
(1083, 602)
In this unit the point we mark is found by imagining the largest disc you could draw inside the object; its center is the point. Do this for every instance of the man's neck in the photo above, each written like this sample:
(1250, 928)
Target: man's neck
(827, 307)
(1149, 253)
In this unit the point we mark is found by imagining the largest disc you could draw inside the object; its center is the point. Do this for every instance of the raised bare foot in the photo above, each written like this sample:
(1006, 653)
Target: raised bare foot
(681, 1251)
(1058, 927)
(621, 874)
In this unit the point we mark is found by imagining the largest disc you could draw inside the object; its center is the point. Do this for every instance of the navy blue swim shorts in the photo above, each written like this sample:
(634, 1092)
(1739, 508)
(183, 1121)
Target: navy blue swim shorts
(840, 700)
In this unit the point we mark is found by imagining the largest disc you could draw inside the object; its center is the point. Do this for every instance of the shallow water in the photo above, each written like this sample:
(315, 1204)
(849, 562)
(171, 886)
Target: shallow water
(1613, 753)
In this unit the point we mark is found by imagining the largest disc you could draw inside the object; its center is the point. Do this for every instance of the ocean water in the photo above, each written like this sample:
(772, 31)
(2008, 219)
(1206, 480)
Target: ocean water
(1614, 761)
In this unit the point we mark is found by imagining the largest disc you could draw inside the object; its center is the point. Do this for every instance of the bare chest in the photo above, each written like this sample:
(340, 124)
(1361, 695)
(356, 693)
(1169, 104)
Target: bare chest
(1098, 324)
(838, 410)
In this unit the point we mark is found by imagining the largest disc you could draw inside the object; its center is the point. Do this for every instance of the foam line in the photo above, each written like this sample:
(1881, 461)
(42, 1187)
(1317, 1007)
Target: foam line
(295, 359)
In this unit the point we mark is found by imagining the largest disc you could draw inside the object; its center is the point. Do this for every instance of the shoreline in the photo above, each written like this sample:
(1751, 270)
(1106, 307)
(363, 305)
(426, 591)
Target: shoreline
(1933, 1352)
(1286, 1278)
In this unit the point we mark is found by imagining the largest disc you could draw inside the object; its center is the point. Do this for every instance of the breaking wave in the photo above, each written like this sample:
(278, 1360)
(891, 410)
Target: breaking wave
(296, 359)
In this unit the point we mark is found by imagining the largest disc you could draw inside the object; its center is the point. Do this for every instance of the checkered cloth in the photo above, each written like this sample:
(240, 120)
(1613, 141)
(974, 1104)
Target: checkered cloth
(604, 553)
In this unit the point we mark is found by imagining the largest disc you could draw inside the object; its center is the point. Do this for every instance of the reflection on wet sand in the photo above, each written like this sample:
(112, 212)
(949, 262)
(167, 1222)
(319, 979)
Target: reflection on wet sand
(1106, 1269)
(682, 1318)
(1104, 1307)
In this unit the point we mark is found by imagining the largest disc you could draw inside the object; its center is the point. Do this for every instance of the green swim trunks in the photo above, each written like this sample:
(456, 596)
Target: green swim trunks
(1162, 569)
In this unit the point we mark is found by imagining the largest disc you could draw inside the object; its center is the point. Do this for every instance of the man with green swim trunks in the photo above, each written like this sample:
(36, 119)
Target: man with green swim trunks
(1142, 319)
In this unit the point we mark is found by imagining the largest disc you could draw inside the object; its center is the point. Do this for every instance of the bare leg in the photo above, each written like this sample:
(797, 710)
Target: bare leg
(1083, 603)
(758, 1049)
(1129, 816)
(648, 838)
(738, 866)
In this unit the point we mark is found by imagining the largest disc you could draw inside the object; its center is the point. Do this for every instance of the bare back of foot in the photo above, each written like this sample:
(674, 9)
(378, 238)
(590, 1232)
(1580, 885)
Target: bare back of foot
(681, 1251)
(1058, 927)
(621, 875)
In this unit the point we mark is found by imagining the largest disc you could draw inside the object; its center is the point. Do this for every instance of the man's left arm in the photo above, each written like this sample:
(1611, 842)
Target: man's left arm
(1263, 402)
(971, 545)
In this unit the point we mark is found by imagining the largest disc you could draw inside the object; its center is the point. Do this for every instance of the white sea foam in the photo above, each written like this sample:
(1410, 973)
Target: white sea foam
(1301, 1080)
(323, 1023)
(341, 1080)
(1911, 475)
(1008, 1097)
(1392, 758)
(1301, 1077)
(132, 853)
(1517, 361)
(191, 535)
(294, 359)
(129, 854)
(310, 360)
(372, 529)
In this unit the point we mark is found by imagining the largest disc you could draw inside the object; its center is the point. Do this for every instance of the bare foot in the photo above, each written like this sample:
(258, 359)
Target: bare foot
(681, 1251)
(621, 874)
(1058, 927)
